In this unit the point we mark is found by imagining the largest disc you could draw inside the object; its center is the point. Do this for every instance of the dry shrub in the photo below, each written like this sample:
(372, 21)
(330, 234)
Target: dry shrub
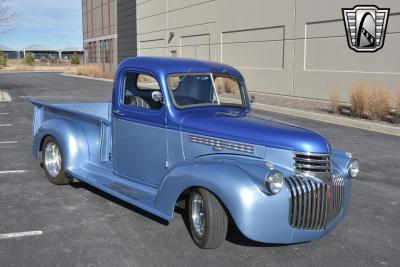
(397, 104)
(378, 103)
(359, 99)
(89, 70)
(335, 102)
(227, 86)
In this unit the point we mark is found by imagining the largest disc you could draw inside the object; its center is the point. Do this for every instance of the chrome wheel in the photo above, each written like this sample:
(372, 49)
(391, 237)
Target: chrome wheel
(52, 159)
(198, 215)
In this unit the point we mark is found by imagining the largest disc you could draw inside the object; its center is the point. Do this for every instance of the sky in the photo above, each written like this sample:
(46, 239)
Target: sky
(53, 23)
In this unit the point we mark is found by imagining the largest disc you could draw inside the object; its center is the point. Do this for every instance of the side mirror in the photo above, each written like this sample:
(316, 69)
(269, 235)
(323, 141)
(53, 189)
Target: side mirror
(157, 96)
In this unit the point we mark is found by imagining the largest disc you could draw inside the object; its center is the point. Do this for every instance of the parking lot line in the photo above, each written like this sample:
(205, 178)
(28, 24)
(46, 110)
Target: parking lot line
(20, 234)
(8, 142)
(3, 113)
(5, 125)
(12, 171)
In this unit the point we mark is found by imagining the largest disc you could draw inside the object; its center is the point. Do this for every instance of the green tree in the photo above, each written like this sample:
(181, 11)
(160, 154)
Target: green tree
(29, 59)
(3, 59)
(75, 59)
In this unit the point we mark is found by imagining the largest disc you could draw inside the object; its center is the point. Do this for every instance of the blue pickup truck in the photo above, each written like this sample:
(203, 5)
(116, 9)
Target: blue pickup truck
(180, 132)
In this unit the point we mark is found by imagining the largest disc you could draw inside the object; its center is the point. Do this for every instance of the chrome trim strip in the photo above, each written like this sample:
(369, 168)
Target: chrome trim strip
(219, 144)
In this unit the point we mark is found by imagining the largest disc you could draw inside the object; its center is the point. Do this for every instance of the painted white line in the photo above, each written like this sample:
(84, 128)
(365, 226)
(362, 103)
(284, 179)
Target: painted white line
(5, 125)
(8, 142)
(13, 171)
(20, 234)
(3, 113)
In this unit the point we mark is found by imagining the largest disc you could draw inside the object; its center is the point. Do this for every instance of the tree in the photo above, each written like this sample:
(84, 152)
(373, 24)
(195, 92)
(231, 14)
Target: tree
(6, 17)
(29, 59)
(75, 59)
(3, 59)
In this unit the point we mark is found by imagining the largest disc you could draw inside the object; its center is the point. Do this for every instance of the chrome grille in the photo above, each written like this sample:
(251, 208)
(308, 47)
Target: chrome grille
(219, 144)
(313, 163)
(314, 204)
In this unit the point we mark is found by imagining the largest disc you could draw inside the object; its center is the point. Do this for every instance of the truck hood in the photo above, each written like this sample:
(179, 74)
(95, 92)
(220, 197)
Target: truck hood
(251, 128)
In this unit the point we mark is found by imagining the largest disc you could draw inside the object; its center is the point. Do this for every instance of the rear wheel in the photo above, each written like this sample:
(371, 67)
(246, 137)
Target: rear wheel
(208, 219)
(52, 161)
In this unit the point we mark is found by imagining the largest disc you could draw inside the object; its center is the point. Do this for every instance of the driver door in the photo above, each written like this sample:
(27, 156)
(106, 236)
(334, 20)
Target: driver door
(139, 131)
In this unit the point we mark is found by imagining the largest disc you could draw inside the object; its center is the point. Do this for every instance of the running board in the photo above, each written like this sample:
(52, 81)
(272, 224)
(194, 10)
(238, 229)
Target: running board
(134, 193)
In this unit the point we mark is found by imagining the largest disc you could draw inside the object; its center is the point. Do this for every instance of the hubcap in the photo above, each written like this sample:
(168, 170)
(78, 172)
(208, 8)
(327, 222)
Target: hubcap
(198, 214)
(52, 159)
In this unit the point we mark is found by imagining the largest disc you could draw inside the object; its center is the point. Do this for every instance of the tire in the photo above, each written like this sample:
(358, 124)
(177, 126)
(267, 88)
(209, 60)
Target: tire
(51, 152)
(213, 226)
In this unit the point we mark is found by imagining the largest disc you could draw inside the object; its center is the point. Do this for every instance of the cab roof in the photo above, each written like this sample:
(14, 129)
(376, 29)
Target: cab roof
(168, 65)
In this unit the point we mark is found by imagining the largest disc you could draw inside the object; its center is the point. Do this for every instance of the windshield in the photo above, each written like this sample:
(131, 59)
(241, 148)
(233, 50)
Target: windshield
(198, 90)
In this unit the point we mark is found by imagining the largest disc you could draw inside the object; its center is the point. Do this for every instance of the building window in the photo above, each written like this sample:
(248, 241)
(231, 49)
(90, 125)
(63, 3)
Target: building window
(86, 55)
(107, 51)
(94, 52)
(98, 50)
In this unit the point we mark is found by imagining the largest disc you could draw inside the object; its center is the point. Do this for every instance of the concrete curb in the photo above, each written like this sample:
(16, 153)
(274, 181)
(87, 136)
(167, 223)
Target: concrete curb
(30, 71)
(366, 125)
(87, 77)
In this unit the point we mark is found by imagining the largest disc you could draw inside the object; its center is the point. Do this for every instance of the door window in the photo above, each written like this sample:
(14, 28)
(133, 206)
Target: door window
(138, 90)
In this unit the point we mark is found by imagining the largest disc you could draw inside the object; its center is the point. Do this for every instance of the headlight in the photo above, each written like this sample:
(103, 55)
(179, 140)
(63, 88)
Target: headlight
(274, 182)
(353, 168)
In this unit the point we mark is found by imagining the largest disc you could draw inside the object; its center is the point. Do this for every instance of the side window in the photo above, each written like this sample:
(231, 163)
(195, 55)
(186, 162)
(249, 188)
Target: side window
(138, 89)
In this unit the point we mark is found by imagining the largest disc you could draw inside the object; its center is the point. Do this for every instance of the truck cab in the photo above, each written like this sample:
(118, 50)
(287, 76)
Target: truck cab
(182, 129)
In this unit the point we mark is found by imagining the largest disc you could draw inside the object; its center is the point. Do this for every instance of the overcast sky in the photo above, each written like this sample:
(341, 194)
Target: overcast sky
(53, 23)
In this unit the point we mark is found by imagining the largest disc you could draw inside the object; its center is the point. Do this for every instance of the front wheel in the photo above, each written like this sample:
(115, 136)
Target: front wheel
(208, 219)
(52, 162)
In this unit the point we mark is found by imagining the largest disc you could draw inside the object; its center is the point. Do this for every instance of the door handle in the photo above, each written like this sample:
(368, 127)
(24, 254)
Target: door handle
(118, 112)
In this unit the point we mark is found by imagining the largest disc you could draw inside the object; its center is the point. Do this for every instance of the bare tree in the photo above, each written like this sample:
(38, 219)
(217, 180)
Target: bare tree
(7, 16)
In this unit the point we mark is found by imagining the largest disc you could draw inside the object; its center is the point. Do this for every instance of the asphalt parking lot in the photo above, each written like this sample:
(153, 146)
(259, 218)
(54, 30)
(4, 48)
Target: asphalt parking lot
(80, 226)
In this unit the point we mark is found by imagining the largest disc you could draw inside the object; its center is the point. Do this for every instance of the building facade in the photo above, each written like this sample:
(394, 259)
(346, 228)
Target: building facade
(293, 48)
(99, 19)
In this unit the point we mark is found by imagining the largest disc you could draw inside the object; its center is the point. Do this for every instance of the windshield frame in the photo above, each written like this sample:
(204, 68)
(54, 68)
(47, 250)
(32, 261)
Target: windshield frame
(243, 91)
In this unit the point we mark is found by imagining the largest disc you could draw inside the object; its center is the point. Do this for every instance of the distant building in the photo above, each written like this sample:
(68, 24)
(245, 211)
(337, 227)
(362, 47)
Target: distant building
(11, 53)
(67, 53)
(41, 52)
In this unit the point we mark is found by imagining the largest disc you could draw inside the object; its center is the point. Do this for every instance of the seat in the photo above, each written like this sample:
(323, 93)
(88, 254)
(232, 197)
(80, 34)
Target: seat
(139, 102)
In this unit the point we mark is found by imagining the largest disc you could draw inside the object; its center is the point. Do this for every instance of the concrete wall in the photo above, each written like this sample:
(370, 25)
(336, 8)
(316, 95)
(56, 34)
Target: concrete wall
(287, 47)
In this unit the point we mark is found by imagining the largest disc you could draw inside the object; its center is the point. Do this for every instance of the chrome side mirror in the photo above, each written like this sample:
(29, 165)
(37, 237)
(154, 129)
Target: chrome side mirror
(157, 96)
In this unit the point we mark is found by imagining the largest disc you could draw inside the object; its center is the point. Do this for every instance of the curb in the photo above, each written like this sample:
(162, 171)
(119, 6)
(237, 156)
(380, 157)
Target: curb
(30, 71)
(365, 125)
(86, 77)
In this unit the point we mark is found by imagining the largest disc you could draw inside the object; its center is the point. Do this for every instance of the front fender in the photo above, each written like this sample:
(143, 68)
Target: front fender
(341, 160)
(238, 191)
(72, 141)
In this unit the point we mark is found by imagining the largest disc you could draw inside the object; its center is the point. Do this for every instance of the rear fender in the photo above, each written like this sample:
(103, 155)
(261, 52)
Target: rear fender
(72, 141)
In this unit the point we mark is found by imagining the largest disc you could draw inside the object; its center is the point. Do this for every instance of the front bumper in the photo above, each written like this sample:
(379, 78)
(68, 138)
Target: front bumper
(272, 225)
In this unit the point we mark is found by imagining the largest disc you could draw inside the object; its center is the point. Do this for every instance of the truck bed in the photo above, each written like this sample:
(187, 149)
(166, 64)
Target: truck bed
(92, 118)
(95, 110)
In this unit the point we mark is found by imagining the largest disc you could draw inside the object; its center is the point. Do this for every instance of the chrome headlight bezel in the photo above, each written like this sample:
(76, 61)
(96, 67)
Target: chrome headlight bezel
(353, 168)
(274, 182)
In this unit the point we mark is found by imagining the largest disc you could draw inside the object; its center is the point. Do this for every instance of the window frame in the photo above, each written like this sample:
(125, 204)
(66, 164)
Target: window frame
(122, 97)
